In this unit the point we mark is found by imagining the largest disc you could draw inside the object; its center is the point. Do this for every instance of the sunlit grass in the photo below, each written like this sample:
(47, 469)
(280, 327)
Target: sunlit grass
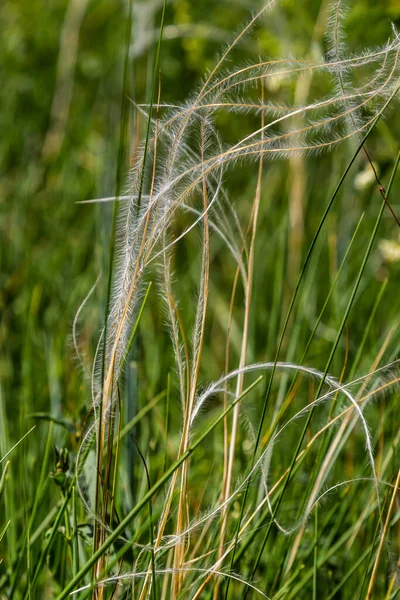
(236, 419)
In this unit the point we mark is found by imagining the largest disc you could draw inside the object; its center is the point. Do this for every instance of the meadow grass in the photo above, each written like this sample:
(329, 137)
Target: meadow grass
(228, 425)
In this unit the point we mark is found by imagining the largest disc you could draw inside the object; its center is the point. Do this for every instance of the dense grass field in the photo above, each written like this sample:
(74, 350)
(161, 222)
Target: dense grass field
(199, 300)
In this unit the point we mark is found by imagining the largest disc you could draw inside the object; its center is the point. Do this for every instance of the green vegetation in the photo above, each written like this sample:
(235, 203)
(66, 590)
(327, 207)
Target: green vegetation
(199, 305)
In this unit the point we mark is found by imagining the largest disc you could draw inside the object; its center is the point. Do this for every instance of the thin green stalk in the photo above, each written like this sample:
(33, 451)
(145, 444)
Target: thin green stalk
(68, 532)
(17, 444)
(75, 540)
(43, 475)
(4, 531)
(167, 421)
(315, 566)
(45, 523)
(153, 583)
(367, 329)
(3, 477)
(50, 539)
(153, 93)
(139, 416)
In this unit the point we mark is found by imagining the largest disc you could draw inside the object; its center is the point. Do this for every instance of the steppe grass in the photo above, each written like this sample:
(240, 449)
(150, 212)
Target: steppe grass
(236, 421)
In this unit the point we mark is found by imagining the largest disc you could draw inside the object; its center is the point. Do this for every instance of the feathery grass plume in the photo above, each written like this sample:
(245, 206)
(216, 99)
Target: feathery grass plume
(187, 161)
(177, 178)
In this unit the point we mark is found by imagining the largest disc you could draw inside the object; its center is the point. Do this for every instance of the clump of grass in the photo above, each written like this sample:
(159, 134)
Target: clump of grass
(281, 450)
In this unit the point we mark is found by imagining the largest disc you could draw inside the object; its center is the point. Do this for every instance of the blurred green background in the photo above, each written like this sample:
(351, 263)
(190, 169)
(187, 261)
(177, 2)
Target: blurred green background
(65, 122)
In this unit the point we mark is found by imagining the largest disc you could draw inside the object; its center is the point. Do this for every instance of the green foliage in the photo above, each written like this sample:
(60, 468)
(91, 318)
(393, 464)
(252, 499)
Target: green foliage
(137, 483)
